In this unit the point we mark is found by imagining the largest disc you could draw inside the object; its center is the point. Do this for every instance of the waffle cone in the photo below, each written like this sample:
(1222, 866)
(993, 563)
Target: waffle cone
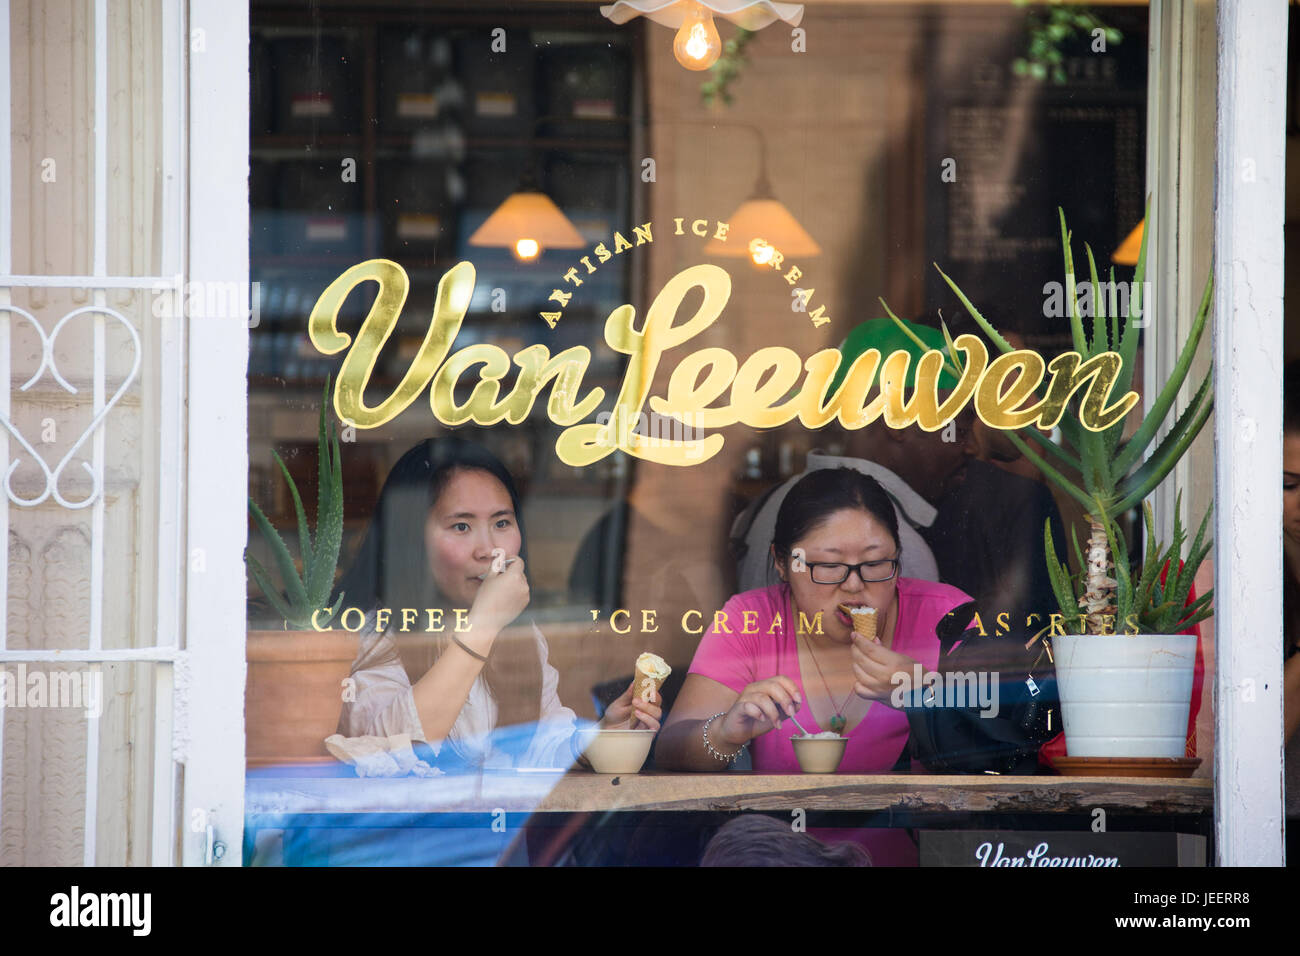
(645, 687)
(864, 624)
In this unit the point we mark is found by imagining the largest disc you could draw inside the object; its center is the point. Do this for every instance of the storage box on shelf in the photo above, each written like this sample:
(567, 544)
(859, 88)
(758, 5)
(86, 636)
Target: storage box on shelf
(584, 90)
(418, 83)
(315, 82)
(415, 199)
(499, 86)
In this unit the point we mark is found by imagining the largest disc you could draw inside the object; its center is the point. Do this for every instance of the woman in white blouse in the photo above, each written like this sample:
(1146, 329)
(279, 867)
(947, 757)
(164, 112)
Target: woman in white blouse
(446, 543)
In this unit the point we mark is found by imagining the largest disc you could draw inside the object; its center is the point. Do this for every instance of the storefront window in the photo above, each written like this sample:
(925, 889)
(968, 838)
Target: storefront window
(790, 199)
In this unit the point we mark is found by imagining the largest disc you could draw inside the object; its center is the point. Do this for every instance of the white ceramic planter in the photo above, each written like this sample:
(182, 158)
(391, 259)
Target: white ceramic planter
(1125, 695)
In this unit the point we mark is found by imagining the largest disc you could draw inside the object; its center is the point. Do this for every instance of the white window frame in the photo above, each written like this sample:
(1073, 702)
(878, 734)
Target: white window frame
(217, 429)
(1250, 192)
(1232, 55)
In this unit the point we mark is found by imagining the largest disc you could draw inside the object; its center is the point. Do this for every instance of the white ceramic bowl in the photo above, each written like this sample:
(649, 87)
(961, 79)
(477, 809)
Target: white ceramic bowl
(615, 751)
(819, 754)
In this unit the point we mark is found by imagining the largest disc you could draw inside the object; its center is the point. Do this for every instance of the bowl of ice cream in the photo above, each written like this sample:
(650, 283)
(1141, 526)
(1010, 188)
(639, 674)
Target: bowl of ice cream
(819, 753)
(615, 751)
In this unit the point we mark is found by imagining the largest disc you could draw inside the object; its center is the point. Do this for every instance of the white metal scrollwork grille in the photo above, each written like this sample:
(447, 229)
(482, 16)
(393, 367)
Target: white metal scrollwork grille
(87, 454)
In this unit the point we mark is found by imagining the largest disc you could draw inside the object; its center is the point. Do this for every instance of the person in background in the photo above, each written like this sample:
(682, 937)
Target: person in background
(988, 539)
(1291, 604)
(998, 450)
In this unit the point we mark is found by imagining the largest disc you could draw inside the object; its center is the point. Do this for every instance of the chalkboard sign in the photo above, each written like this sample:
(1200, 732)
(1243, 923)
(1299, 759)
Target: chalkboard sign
(1003, 152)
(1024, 849)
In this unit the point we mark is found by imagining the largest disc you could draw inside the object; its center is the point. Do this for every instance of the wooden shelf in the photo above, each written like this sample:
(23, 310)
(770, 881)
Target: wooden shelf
(310, 791)
(290, 261)
(281, 141)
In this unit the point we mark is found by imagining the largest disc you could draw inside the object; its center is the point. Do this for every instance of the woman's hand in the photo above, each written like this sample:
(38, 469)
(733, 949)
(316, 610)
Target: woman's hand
(630, 712)
(874, 667)
(760, 707)
(501, 598)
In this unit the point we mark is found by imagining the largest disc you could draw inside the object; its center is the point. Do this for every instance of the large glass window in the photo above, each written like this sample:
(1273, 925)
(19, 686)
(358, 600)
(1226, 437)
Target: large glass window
(808, 185)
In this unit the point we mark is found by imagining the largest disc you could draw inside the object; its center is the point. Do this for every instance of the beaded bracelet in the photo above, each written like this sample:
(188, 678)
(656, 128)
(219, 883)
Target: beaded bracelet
(709, 747)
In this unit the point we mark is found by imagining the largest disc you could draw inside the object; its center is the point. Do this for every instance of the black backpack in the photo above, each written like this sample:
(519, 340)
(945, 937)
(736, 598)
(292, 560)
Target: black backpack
(957, 739)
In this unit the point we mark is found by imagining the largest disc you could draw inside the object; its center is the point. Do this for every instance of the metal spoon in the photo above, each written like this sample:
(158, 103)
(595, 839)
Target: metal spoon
(508, 562)
(799, 725)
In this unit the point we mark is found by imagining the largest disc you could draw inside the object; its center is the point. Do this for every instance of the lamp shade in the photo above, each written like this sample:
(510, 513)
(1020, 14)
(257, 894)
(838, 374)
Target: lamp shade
(1130, 248)
(747, 14)
(767, 219)
(528, 214)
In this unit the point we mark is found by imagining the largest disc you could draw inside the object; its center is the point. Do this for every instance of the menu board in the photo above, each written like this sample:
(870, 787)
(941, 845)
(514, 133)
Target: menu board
(1003, 152)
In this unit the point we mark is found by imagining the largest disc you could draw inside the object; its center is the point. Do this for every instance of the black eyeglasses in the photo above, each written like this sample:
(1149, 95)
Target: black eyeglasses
(869, 572)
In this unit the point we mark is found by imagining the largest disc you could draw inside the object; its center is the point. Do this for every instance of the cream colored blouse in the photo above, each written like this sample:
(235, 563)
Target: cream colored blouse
(384, 705)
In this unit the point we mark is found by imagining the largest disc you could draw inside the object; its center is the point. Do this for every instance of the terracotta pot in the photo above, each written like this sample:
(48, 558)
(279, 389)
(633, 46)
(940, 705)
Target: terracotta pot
(294, 692)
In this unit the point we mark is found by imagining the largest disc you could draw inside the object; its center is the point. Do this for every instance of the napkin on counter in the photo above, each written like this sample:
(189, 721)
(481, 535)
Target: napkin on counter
(380, 756)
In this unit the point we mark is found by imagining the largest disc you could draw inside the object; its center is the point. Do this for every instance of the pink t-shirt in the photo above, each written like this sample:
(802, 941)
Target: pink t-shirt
(770, 648)
(759, 646)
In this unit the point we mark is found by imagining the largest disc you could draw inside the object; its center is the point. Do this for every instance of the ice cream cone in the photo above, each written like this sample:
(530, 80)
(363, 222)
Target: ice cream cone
(864, 620)
(647, 686)
(651, 672)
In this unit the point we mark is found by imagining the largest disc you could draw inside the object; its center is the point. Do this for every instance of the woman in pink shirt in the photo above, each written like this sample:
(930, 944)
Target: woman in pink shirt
(790, 648)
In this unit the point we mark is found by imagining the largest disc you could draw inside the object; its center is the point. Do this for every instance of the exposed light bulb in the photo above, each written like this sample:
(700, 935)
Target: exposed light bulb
(526, 250)
(697, 45)
(760, 250)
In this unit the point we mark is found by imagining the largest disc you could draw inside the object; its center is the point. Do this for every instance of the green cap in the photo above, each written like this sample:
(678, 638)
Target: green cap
(887, 337)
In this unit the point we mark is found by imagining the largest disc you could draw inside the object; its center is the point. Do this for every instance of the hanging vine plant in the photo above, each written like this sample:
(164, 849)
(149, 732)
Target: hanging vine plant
(727, 70)
(1051, 30)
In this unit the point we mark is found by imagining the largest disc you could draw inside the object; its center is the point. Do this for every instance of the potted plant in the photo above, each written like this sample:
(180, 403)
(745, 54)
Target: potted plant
(1123, 670)
(297, 675)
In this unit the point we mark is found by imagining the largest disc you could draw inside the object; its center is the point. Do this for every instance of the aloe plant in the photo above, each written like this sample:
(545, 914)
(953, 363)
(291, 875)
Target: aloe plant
(308, 591)
(1149, 599)
(1114, 474)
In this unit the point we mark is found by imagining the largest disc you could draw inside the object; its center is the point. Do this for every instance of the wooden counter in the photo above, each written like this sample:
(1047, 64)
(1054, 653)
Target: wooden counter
(298, 792)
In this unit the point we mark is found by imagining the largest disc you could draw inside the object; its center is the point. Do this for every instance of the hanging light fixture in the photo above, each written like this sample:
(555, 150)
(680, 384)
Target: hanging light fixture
(762, 225)
(527, 223)
(697, 44)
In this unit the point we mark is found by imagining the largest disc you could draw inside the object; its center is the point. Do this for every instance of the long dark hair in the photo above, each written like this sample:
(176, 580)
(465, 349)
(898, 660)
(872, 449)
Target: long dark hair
(756, 840)
(391, 570)
(820, 493)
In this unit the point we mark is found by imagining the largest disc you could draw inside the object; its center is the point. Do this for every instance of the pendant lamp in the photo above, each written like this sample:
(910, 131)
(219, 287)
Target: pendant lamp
(1127, 253)
(527, 223)
(762, 225)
